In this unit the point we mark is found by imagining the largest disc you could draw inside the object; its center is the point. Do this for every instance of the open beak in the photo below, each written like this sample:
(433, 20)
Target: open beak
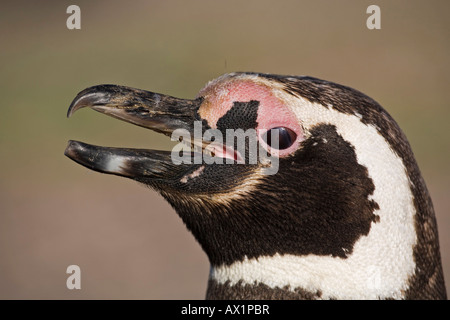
(157, 112)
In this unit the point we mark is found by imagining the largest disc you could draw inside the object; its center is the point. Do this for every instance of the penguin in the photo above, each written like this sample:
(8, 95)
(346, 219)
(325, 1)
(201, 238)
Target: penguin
(334, 208)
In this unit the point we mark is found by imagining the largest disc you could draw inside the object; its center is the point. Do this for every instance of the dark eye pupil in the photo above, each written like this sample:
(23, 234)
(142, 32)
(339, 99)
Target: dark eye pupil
(286, 137)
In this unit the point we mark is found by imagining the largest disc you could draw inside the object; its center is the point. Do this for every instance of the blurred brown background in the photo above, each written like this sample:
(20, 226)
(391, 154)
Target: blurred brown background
(127, 240)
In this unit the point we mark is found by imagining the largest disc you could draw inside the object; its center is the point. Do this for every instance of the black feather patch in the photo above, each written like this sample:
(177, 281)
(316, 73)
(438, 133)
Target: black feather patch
(242, 115)
(318, 203)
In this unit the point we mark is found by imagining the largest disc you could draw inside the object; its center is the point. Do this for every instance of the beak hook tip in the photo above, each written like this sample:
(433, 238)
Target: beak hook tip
(88, 98)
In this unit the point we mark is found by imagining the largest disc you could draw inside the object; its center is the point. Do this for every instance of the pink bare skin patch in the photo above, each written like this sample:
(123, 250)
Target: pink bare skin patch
(272, 112)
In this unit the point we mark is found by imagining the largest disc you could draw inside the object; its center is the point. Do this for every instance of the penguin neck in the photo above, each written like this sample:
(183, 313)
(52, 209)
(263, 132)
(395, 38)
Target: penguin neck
(298, 277)
(249, 263)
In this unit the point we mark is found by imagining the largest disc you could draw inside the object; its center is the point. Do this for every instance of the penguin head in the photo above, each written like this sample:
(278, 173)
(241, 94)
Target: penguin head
(231, 135)
(287, 182)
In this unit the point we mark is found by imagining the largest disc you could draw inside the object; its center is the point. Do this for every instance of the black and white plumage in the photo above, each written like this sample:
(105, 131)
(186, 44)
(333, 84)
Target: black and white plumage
(347, 215)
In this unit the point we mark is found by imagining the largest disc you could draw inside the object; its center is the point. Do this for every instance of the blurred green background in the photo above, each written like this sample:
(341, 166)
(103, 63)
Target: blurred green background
(128, 242)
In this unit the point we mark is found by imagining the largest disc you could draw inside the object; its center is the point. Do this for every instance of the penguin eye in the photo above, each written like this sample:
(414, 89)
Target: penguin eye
(285, 136)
